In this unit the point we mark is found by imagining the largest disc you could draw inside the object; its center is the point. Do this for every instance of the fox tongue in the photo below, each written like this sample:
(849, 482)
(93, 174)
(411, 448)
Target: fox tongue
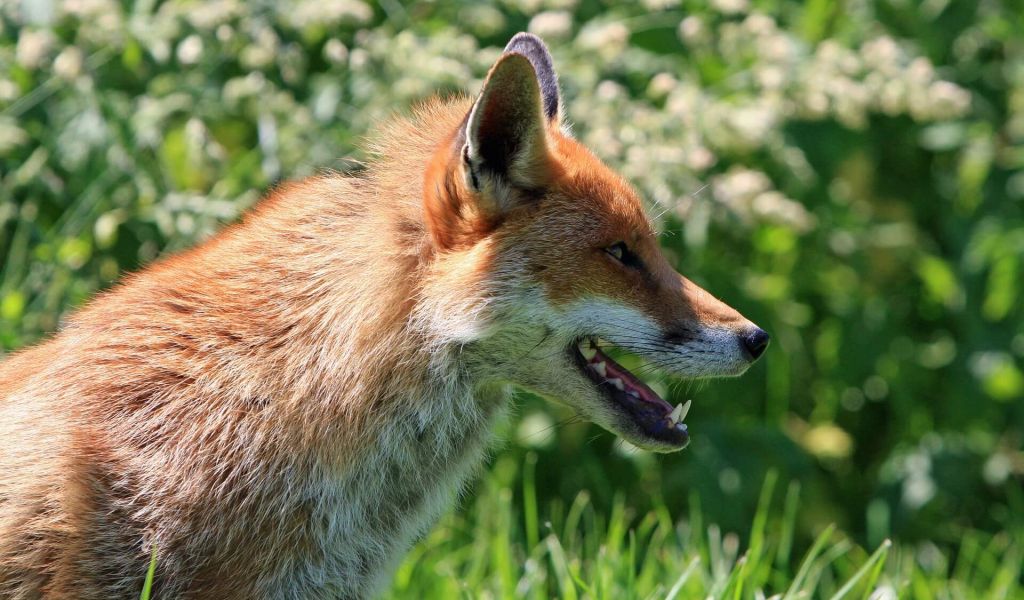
(639, 403)
(618, 376)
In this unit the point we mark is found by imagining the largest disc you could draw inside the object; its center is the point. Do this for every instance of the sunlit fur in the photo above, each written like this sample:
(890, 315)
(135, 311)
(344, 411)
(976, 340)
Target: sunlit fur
(283, 409)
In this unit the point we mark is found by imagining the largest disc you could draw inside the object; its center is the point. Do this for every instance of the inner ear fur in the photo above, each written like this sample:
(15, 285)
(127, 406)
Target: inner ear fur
(506, 131)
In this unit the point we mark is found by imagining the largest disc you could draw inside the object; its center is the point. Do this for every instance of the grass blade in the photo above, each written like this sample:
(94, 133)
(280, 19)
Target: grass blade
(147, 587)
(877, 557)
(530, 500)
(808, 562)
(566, 584)
(678, 585)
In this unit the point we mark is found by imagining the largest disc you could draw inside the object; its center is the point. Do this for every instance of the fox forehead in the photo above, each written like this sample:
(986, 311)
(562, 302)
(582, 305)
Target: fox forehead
(606, 205)
(586, 208)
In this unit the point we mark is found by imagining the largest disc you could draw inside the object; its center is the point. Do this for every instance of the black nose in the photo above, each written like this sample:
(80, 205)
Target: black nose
(755, 341)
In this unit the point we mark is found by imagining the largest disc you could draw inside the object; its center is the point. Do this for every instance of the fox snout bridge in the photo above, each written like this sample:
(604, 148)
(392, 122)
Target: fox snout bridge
(754, 342)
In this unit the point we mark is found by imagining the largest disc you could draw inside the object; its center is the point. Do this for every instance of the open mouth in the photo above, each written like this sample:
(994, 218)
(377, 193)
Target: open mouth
(652, 416)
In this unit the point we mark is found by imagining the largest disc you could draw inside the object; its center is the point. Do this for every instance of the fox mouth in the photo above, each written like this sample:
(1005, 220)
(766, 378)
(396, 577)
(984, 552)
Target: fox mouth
(650, 415)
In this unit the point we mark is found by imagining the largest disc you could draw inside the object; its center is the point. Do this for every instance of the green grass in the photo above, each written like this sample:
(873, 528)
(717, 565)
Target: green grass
(147, 586)
(492, 549)
(489, 550)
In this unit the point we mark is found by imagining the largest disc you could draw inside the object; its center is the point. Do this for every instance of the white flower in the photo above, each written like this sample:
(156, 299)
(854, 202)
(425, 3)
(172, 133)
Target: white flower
(328, 13)
(892, 98)
(753, 122)
(948, 100)
(775, 207)
(770, 77)
(730, 7)
(693, 31)
(190, 50)
(335, 51)
(68, 64)
(759, 24)
(160, 50)
(209, 14)
(921, 70)
(8, 90)
(607, 91)
(700, 159)
(661, 85)
(882, 54)
(483, 20)
(11, 136)
(740, 185)
(776, 47)
(551, 25)
(608, 39)
(261, 53)
(86, 9)
(33, 47)
(239, 88)
(656, 5)
(225, 33)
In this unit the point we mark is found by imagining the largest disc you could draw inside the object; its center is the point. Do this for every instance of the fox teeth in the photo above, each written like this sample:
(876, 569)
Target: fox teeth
(633, 394)
(587, 350)
(684, 410)
(617, 383)
(679, 412)
(673, 417)
(601, 368)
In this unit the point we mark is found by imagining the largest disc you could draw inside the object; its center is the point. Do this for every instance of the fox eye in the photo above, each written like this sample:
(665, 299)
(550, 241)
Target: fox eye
(617, 250)
(621, 252)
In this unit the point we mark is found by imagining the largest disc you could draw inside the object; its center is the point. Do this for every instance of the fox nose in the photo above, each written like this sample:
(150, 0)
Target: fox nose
(754, 342)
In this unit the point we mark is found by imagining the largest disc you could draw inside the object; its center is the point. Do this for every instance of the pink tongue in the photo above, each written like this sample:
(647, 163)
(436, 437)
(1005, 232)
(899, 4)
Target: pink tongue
(630, 382)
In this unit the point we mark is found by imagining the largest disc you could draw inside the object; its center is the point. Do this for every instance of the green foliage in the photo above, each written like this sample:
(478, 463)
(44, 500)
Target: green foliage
(489, 550)
(849, 175)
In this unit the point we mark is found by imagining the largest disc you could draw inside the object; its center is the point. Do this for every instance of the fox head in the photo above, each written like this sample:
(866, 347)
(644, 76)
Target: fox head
(565, 262)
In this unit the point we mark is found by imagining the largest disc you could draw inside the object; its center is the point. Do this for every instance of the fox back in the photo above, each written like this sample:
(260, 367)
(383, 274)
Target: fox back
(282, 410)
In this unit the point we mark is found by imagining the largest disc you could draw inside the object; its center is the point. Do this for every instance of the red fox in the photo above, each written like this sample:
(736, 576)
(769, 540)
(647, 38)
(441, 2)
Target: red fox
(282, 410)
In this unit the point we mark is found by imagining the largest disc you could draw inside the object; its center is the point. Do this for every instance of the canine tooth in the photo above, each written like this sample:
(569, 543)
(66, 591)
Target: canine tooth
(685, 410)
(673, 416)
(601, 368)
(617, 383)
(587, 350)
(633, 394)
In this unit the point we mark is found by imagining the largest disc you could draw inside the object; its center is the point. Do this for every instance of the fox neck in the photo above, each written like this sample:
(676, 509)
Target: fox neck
(418, 463)
(320, 339)
(413, 413)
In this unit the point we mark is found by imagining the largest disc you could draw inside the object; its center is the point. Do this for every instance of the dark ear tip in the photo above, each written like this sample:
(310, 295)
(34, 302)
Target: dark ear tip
(525, 38)
(534, 49)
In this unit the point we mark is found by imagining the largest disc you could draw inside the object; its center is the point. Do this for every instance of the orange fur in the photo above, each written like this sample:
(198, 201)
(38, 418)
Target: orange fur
(284, 408)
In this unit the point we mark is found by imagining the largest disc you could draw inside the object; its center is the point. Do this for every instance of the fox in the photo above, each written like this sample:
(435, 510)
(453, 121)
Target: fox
(284, 409)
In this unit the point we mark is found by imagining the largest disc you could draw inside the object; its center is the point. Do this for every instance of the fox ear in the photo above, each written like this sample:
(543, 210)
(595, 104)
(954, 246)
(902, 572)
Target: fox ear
(503, 148)
(506, 130)
(537, 53)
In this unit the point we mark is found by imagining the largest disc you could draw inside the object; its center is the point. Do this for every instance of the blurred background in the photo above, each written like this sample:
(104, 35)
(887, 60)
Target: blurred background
(847, 174)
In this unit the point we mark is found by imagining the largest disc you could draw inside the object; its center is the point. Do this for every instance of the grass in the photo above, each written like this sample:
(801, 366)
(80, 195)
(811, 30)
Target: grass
(503, 545)
(492, 549)
(147, 586)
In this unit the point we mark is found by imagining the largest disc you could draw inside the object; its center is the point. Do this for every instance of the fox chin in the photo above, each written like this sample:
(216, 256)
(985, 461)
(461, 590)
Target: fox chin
(282, 410)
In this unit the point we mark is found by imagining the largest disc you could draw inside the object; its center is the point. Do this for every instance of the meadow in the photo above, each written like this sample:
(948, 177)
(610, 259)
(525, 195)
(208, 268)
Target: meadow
(849, 175)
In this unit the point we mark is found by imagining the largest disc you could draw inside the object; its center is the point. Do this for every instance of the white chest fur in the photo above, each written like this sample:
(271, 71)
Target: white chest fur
(365, 519)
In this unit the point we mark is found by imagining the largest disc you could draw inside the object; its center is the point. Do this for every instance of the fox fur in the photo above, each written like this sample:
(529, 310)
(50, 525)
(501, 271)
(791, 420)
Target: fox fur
(282, 410)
